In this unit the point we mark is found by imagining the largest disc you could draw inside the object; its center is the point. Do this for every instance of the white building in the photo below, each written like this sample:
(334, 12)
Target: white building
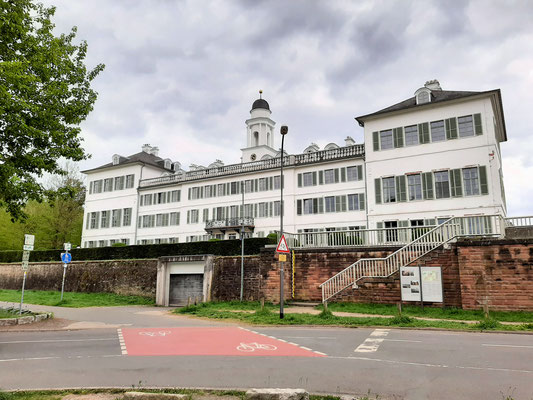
(430, 157)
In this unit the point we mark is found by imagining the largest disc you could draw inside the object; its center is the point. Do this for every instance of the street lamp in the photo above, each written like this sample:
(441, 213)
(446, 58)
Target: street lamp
(283, 130)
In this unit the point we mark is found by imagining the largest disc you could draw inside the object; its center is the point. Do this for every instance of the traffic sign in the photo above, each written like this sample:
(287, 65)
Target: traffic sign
(27, 247)
(66, 257)
(282, 246)
(25, 265)
(29, 240)
(67, 246)
(25, 255)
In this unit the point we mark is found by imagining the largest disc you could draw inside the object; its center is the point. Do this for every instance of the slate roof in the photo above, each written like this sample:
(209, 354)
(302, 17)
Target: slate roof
(437, 96)
(141, 157)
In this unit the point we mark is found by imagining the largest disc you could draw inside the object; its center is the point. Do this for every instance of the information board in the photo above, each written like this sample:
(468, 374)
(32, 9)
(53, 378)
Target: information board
(430, 286)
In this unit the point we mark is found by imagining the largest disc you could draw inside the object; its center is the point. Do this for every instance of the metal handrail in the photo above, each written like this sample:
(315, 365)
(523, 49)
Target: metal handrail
(489, 225)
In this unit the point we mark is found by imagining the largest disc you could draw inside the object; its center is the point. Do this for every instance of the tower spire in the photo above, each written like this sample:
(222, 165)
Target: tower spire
(260, 94)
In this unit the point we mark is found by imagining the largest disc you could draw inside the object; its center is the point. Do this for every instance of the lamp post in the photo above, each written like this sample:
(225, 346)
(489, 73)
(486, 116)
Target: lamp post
(283, 130)
(243, 186)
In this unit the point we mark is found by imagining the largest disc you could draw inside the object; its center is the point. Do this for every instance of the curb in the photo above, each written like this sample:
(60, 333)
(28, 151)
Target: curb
(27, 319)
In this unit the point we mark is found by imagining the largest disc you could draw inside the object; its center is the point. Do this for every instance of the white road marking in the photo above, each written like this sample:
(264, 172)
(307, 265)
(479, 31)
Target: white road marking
(434, 365)
(402, 340)
(371, 344)
(123, 348)
(506, 345)
(311, 337)
(57, 358)
(56, 340)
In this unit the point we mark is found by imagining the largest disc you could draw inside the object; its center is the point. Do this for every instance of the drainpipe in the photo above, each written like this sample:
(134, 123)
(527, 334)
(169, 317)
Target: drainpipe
(366, 195)
(137, 208)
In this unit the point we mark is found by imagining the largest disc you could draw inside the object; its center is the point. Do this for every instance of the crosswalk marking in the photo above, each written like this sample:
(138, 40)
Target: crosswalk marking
(371, 344)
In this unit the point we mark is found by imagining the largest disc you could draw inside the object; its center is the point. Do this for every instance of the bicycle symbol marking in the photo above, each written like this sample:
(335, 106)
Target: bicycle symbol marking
(154, 334)
(249, 347)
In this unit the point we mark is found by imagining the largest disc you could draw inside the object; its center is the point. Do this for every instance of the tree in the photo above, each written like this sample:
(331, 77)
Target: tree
(45, 94)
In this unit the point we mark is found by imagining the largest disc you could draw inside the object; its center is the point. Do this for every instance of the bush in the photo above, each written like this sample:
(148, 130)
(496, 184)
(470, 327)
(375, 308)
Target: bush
(400, 320)
(118, 244)
(488, 323)
(217, 248)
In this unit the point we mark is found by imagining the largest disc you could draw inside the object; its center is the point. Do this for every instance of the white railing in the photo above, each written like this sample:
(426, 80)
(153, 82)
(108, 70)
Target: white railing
(356, 238)
(273, 163)
(490, 225)
(519, 221)
(229, 222)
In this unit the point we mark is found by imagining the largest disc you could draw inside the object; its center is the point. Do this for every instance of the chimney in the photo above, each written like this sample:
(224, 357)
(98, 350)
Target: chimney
(154, 151)
(433, 85)
(146, 148)
(349, 141)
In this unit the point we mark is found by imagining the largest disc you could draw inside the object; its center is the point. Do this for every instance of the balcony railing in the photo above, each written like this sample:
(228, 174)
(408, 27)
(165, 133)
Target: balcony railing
(229, 223)
(357, 150)
(512, 222)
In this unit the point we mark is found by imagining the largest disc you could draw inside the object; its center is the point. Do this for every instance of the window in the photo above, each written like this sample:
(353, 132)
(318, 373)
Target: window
(263, 210)
(175, 196)
(308, 179)
(130, 181)
(146, 200)
(221, 189)
(355, 202)
(108, 185)
(233, 211)
(329, 176)
(389, 190)
(119, 183)
(193, 216)
(353, 173)
(386, 139)
(234, 187)
(442, 184)
(195, 193)
(330, 203)
(148, 221)
(205, 215)
(161, 220)
(438, 134)
(97, 186)
(277, 182)
(263, 184)
(94, 220)
(174, 218)
(308, 206)
(115, 218)
(414, 182)
(104, 221)
(471, 181)
(126, 217)
(160, 198)
(423, 97)
(102, 243)
(411, 135)
(277, 208)
(248, 186)
(466, 126)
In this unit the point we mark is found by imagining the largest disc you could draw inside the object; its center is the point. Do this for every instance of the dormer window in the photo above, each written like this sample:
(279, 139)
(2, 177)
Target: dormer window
(116, 159)
(423, 97)
(168, 164)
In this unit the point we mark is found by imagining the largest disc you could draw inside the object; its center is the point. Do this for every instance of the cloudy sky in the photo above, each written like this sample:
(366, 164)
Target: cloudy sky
(182, 75)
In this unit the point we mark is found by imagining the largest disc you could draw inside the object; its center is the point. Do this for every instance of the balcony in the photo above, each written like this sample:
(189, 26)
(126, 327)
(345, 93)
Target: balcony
(230, 224)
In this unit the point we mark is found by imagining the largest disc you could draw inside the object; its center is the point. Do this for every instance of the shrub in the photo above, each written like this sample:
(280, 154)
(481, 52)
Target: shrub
(488, 323)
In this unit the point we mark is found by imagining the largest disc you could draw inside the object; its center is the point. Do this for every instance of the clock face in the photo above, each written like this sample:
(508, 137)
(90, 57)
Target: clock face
(253, 157)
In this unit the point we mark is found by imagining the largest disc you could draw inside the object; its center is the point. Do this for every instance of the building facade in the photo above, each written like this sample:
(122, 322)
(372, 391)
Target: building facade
(424, 160)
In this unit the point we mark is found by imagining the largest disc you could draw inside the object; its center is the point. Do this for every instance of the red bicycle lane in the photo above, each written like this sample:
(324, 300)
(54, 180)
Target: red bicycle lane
(225, 341)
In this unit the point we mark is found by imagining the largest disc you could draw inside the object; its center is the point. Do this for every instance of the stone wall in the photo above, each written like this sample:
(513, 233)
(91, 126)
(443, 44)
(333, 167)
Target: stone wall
(129, 277)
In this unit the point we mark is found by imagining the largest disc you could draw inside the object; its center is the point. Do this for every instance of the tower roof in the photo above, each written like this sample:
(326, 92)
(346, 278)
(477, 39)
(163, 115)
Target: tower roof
(260, 102)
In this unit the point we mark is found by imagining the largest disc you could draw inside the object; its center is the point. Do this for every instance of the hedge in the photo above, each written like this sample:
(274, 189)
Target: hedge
(218, 248)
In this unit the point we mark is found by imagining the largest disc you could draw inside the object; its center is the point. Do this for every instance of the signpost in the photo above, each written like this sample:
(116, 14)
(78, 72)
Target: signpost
(66, 258)
(283, 250)
(29, 240)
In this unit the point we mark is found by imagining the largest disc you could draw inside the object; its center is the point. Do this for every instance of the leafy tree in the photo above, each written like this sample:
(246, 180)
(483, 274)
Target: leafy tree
(45, 94)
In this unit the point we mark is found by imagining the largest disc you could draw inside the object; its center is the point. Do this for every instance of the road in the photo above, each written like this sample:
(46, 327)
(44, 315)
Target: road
(183, 352)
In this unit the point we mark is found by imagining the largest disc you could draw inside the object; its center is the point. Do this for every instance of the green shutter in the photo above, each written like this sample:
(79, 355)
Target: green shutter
(299, 207)
(343, 174)
(315, 206)
(299, 180)
(377, 187)
(321, 177)
(456, 183)
(314, 178)
(379, 225)
(427, 185)
(343, 203)
(478, 127)
(375, 137)
(321, 205)
(401, 192)
(423, 133)
(451, 128)
(336, 175)
(397, 134)
(483, 184)
(359, 172)
(361, 201)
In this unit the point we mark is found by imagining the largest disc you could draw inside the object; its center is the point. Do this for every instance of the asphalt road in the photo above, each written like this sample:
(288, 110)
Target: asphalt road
(393, 363)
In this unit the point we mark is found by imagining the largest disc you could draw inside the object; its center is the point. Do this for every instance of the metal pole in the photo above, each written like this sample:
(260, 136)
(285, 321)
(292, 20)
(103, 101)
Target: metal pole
(421, 292)
(22, 297)
(283, 132)
(63, 284)
(242, 240)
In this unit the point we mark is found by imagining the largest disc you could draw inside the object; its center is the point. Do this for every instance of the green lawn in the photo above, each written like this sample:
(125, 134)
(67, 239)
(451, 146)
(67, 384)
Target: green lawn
(7, 314)
(72, 299)
(431, 312)
(268, 316)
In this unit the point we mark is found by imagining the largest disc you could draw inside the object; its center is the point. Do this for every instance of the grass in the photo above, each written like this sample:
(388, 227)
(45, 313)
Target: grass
(73, 299)
(432, 312)
(268, 316)
(191, 393)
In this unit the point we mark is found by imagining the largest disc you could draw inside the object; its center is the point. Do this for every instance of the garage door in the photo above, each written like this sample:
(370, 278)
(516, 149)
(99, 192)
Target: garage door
(183, 286)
